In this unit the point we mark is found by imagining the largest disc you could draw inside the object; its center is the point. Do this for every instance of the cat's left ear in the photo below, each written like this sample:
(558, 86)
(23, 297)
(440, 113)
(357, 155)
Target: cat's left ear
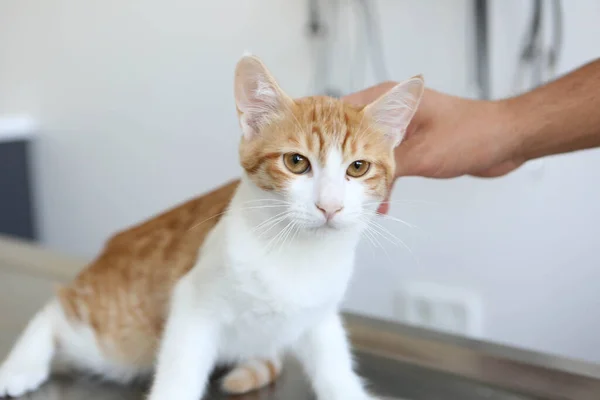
(393, 111)
(258, 98)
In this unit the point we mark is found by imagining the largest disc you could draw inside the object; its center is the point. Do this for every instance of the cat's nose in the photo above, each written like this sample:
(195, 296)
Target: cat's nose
(329, 209)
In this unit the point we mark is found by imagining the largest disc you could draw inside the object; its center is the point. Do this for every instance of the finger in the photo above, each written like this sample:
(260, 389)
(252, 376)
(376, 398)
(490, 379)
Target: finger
(409, 158)
(384, 207)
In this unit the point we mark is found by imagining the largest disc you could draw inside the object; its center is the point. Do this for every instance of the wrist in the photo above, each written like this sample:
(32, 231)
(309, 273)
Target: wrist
(514, 129)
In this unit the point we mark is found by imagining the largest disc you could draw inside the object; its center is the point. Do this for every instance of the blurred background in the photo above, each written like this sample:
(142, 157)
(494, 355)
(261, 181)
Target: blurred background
(112, 111)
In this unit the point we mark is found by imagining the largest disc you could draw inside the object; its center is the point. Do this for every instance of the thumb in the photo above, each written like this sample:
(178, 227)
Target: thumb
(384, 206)
(407, 157)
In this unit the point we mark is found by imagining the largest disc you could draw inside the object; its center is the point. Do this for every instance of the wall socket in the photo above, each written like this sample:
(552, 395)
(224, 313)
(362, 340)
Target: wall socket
(439, 307)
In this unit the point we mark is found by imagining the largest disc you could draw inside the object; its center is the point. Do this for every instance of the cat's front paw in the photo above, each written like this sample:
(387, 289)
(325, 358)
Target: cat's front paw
(17, 379)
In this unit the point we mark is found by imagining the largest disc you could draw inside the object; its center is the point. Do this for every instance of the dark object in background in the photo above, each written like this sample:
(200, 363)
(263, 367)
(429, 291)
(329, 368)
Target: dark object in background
(16, 205)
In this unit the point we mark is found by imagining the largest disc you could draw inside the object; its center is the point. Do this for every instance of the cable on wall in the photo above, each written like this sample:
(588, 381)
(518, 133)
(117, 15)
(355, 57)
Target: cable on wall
(535, 60)
(323, 30)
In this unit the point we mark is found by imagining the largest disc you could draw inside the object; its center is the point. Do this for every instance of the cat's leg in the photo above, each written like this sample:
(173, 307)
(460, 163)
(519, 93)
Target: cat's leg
(28, 364)
(188, 349)
(325, 354)
(251, 375)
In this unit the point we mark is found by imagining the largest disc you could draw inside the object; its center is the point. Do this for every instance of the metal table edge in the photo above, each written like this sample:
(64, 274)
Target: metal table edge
(528, 372)
(510, 368)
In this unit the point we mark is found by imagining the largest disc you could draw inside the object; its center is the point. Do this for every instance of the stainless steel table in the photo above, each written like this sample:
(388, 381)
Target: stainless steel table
(400, 362)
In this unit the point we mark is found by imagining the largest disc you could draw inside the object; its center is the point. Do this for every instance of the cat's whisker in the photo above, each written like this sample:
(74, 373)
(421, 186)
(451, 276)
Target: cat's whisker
(389, 217)
(277, 237)
(399, 220)
(403, 202)
(269, 220)
(277, 201)
(272, 224)
(374, 235)
(206, 220)
(285, 232)
(259, 207)
(386, 234)
(233, 208)
(287, 235)
(297, 232)
(367, 230)
(369, 237)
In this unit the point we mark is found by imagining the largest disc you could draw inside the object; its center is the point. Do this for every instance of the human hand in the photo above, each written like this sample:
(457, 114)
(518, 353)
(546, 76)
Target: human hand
(451, 136)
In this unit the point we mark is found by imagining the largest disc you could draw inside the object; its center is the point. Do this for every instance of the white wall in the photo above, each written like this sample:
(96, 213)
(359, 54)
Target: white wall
(134, 100)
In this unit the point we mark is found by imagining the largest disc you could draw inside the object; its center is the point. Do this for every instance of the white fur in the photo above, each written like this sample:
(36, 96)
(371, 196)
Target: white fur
(246, 299)
(51, 342)
(78, 349)
(28, 364)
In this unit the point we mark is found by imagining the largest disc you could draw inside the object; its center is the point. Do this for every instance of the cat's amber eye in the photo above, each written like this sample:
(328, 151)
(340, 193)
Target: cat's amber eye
(296, 163)
(358, 168)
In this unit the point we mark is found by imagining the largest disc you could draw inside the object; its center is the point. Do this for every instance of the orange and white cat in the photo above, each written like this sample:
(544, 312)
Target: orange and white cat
(242, 275)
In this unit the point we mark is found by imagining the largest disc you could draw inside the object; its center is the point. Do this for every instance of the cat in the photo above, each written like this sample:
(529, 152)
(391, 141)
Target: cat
(243, 275)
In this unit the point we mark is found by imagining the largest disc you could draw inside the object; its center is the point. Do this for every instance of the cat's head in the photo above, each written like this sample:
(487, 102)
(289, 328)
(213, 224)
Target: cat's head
(332, 163)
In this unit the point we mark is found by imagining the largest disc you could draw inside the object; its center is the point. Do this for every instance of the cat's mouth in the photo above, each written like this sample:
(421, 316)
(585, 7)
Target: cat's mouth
(326, 226)
(331, 224)
(316, 223)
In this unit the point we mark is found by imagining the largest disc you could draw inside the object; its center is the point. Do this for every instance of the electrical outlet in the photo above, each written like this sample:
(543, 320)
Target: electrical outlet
(439, 307)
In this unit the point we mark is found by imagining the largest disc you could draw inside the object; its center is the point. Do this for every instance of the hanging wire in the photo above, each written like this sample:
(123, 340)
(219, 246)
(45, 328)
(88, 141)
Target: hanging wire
(323, 26)
(534, 60)
(358, 58)
(557, 37)
(374, 38)
(317, 31)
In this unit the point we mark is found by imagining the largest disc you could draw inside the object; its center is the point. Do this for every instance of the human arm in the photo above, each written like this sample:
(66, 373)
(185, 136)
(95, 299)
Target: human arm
(560, 117)
(451, 136)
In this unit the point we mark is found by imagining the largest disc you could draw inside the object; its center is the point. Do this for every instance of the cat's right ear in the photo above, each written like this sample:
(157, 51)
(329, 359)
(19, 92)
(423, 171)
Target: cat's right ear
(258, 98)
(393, 111)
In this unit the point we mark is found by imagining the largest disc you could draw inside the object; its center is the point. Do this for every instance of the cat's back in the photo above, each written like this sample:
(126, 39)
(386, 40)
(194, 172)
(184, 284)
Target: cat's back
(123, 294)
(168, 242)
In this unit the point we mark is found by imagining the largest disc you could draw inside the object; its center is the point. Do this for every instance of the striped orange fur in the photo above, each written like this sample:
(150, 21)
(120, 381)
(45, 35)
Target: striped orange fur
(313, 126)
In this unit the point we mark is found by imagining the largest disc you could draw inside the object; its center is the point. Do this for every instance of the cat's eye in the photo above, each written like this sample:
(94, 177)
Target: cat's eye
(296, 163)
(358, 168)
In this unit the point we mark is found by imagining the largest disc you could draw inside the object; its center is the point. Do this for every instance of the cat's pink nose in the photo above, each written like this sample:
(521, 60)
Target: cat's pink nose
(329, 210)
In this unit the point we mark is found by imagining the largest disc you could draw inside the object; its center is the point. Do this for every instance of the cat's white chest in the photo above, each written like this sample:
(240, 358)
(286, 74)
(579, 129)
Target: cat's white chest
(270, 307)
(265, 300)
(262, 330)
